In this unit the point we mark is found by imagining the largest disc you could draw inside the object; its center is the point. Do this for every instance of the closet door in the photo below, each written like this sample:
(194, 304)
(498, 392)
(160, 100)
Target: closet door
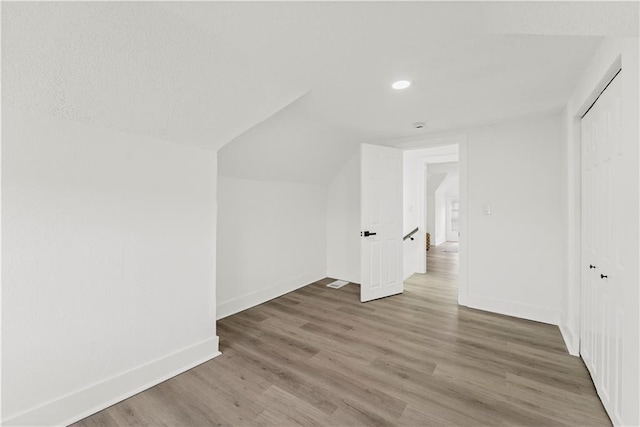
(604, 177)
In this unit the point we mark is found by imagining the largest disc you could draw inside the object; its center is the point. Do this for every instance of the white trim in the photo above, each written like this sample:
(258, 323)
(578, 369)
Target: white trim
(571, 341)
(515, 309)
(571, 316)
(243, 302)
(421, 237)
(75, 406)
(463, 240)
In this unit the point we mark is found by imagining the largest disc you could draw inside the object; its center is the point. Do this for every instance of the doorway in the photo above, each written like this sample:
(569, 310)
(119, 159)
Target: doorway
(434, 188)
(442, 202)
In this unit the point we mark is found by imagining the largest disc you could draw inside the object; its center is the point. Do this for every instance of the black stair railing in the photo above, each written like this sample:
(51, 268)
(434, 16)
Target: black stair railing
(409, 236)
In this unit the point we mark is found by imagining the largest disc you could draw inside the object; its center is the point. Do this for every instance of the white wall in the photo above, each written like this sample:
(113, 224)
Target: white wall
(271, 240)
(343, 222)
(287, 147)
(108, 278)
(611, 54)
(515, 256)
(272, 208)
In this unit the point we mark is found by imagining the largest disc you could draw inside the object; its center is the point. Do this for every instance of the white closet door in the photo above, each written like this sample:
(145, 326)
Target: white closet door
(604, 240)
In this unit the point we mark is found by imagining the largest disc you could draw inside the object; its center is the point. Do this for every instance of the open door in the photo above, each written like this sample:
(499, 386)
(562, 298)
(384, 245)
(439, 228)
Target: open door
(381, 222)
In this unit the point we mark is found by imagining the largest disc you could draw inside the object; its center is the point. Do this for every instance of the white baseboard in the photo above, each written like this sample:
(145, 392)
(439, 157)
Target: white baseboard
(75, 406)
(462, 299)
(243, 302)
(570, 340)
(515, 309)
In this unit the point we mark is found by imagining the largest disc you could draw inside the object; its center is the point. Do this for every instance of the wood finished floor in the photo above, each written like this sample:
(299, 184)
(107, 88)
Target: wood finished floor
(317, 356)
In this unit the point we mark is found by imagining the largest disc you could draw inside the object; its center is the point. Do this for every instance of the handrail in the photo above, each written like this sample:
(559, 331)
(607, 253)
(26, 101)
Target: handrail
(408, 236)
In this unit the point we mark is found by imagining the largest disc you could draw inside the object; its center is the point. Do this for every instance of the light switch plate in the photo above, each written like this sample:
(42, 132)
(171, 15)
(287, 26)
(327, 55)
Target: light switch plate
(486, 209)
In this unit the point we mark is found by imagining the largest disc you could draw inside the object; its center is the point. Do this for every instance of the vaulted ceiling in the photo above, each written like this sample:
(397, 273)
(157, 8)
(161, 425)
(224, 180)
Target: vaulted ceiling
(203, 73)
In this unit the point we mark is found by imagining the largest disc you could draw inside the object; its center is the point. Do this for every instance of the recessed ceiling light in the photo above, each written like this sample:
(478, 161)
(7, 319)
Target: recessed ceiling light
(401, 84)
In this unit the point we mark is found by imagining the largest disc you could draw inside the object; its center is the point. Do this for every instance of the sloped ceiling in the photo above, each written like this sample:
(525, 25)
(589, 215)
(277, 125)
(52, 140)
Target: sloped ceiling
(287, 147)
(140, 68)
(443, 177)
(434, 180)
(202, 73)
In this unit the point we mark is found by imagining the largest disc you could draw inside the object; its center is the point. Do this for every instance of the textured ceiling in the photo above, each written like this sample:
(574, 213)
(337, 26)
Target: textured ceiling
(472, 82)
(203, 73)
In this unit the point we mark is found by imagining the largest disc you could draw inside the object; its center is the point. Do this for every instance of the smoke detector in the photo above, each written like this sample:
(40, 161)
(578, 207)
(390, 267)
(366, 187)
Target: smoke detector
(419, 125)
(401, 84)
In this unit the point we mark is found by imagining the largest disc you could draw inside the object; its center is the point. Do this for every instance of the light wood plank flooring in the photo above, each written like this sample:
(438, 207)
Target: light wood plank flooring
(317, 356)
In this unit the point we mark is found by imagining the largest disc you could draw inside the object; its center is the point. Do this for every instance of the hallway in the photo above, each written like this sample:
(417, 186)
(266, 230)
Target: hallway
(317, 356)
(442, 262)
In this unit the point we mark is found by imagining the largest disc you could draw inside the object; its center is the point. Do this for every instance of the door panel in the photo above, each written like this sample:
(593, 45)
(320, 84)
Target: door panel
(381, 213)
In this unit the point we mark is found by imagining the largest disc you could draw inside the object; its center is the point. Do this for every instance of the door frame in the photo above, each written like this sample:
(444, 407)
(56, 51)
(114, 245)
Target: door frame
(437, 141)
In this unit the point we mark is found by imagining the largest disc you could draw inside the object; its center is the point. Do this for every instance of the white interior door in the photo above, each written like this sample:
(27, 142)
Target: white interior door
(381, 222)
(605, 240)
